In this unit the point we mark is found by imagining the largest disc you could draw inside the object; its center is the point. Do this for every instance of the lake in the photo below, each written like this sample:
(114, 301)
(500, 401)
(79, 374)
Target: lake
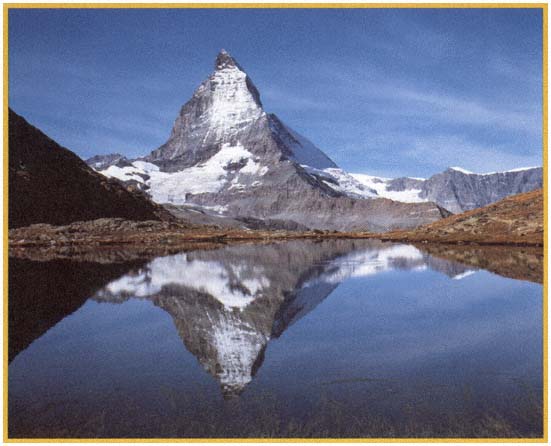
(300, 339)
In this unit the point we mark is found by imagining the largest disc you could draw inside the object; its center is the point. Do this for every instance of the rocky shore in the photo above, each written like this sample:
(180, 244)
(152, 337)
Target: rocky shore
(140, 237)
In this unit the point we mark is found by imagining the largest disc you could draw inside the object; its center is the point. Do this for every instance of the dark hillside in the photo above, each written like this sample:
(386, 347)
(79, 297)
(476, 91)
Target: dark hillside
(50, 184)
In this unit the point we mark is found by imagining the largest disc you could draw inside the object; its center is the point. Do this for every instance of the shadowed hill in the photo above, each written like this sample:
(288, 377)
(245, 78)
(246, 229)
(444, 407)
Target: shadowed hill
(50, 184)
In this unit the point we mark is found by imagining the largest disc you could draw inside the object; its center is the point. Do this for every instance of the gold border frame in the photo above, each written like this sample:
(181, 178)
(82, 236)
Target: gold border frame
(542, 6)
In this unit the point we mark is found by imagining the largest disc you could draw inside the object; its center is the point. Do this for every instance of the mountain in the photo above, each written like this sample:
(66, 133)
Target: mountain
(517, 219)
(226, 154)
(456, 189)
(50, 184)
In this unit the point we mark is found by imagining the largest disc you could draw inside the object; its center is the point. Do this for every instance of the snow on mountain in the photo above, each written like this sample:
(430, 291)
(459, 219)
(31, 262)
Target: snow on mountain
(468, 172)
(225, 106)
(209, 176)
(127, 173)
(460, 169)
(457, 189)
(340, 181)
(233, 103)
(381, 187)
(519, 169)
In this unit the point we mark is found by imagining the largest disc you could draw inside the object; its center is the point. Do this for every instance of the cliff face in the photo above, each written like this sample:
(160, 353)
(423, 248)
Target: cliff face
(50, 184)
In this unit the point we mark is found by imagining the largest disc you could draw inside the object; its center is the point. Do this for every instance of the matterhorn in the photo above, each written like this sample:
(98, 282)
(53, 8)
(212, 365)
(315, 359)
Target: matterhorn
(227, 156)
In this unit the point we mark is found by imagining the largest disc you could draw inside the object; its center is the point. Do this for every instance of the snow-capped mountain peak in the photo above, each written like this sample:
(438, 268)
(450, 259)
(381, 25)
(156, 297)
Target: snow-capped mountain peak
(235, 99)
(226, 153)
(225, 104)
(225, 60)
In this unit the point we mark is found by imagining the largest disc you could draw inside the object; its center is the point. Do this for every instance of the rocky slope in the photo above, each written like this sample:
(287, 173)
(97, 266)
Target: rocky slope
(226, 154)
(50, 184)
(456, 189)
(514, 220)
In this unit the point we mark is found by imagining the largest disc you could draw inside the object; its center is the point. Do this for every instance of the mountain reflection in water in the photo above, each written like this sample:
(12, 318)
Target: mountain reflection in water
(226, 304)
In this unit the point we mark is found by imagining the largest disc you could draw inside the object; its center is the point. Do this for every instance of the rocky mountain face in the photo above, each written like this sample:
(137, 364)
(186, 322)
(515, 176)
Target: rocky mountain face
(456, 189)
(228, 304)
(50, 184)
(226, 154)
(459, 191)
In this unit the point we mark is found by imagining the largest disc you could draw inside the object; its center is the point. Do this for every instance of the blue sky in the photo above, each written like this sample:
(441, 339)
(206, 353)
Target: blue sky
(381, 91)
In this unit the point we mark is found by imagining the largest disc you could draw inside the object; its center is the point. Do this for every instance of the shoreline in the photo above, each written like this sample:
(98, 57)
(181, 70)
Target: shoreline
(510, 259)
(226, 237)
(171, 240)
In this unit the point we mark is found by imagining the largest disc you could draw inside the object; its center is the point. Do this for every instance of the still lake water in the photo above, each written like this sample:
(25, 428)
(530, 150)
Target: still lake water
(294, 339)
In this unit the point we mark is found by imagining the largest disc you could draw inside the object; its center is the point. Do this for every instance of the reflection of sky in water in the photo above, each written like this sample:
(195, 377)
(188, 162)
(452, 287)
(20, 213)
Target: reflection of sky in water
(399, 321)
(394, 332)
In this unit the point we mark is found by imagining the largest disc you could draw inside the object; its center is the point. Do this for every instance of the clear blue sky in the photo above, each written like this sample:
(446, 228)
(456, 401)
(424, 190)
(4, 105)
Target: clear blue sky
(381, 91)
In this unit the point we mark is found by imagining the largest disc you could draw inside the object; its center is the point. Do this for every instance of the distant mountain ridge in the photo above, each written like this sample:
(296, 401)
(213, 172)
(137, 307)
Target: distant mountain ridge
(457, 189)
(225, 153)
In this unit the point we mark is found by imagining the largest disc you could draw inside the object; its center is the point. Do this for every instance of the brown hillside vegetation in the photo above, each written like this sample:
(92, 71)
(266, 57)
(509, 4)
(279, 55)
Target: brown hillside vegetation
(517, 219)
